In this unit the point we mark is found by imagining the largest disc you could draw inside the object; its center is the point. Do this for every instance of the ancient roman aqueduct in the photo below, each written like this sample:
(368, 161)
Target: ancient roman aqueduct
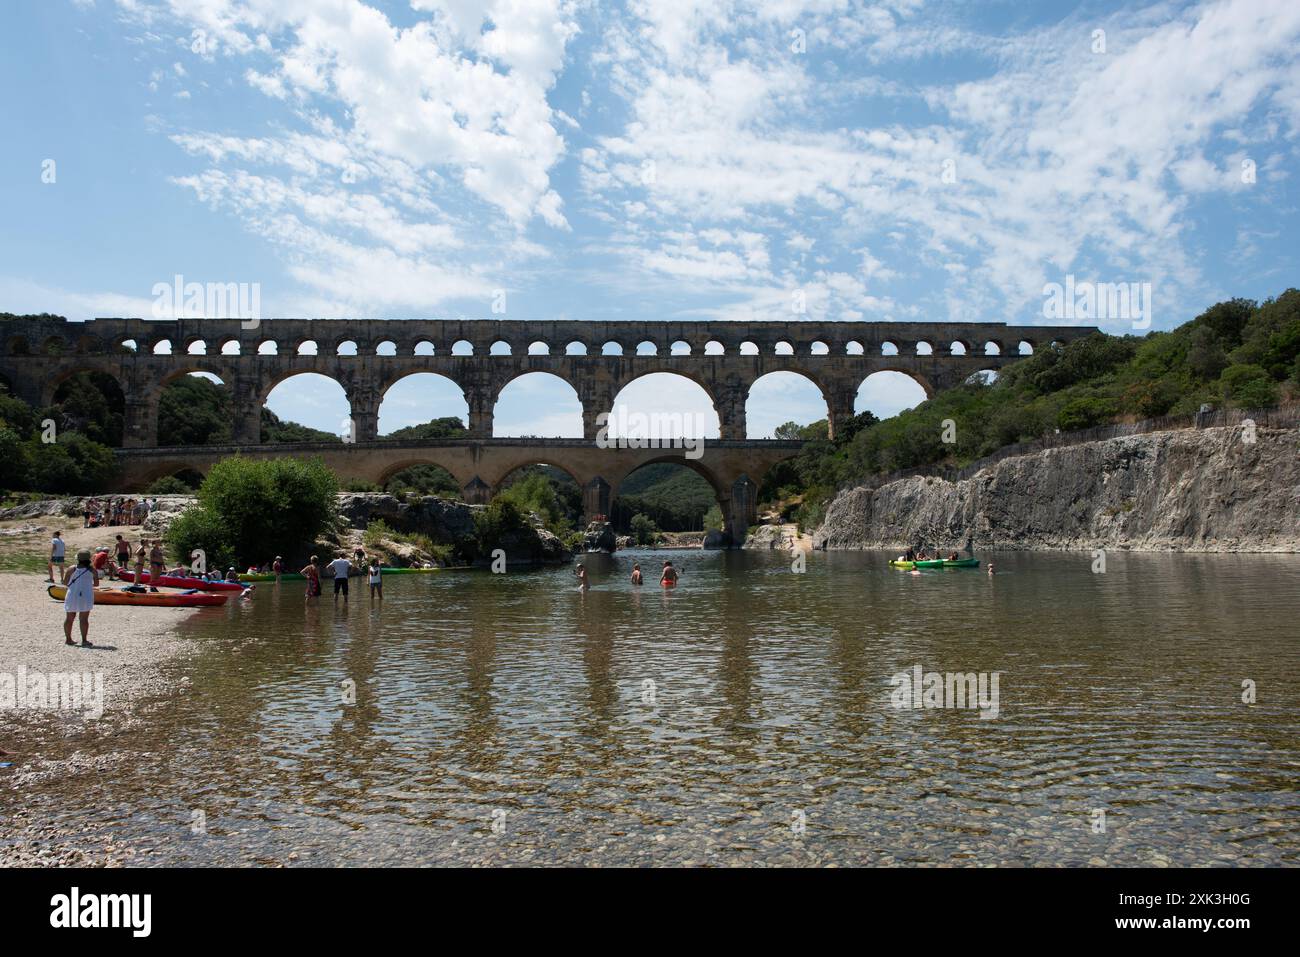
(367, 357)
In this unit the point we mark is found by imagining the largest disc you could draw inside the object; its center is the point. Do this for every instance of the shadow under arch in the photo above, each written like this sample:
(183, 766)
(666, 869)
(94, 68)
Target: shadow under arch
(673, 515)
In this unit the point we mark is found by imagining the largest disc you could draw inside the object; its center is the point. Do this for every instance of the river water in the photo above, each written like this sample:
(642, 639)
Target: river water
(746, 717)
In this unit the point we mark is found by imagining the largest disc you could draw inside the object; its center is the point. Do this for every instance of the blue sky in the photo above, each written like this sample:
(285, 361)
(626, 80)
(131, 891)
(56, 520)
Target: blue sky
(644, 160)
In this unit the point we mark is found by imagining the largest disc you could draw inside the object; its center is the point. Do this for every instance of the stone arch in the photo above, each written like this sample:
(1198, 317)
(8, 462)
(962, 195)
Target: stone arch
(196, 346)
(539, 348)
(429, 457)
(18, 346)
(346, 346)
(58, 377)
(581, 349)
(127, 346)
(924, 347)
(647, 348)
(612, 348)
(714, 348)
(500, 347)
(785, 389)
(889, 347)
(268, 347)
(749, 348)
(540, 382)
(88, 345)
(819, 348)
(680, 348)
(526, 459)
(420, 343)
(889, 395)
(1025, 347)
(959, 347)
(161, 346)
(666, 403)
(433, 379)
(225, 347)
(676, 458)
(271, 383)
(386, 347)
(620, 513)
(307, 347)
(854, 348)
(993, 347)
(217, 371)
(982, 377)
(783, 347)
(462, 347)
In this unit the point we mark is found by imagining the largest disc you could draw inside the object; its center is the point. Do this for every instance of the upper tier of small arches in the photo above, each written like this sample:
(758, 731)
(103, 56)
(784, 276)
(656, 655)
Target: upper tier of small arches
(19, 345)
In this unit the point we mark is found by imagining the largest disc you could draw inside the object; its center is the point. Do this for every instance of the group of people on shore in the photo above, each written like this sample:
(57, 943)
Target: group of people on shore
(116, 511)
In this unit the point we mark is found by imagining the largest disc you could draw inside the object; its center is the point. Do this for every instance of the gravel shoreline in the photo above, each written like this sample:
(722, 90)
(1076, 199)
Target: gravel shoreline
(48, 743)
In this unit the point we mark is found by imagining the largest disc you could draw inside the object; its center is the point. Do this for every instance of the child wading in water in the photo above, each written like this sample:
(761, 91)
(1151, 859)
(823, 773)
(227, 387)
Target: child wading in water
(376, 580)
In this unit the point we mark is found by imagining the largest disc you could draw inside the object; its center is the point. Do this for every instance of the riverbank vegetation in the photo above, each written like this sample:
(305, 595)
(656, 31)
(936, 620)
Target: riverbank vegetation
(1236, 354)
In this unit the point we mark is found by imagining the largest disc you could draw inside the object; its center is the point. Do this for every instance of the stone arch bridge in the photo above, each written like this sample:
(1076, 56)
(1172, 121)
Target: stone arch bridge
(597, 359)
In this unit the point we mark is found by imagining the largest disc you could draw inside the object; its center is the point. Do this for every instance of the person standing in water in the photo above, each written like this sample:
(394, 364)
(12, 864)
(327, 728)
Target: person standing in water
(669, 576)
(581, 572)
(312, 574)
(278, 567)
(79, 598)
(341, 566)
(636, 573)
(376, 580)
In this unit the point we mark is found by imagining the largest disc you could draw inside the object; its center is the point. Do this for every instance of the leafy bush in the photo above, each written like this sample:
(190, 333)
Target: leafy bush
(252, 508)
(73, 464)
(1248, 387)
(644, 530)
(169, 485)
(494, 524)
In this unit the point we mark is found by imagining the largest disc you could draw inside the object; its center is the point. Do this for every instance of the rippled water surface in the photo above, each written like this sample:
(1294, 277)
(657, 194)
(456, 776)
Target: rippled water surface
(744, 717)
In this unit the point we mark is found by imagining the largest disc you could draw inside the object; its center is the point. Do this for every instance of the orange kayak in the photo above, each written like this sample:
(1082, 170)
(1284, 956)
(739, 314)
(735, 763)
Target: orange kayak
(166, 599)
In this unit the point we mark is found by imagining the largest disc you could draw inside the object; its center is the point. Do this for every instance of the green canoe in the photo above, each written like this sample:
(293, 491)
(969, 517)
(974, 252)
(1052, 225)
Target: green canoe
(962, 563)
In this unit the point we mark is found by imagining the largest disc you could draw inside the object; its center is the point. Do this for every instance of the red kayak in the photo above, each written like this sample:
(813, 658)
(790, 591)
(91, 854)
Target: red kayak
(175, 581)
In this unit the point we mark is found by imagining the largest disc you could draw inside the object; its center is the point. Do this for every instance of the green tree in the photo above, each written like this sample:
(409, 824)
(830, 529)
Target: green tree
(1248, 387)
(194, 410)
(644, 530)
(253, 508)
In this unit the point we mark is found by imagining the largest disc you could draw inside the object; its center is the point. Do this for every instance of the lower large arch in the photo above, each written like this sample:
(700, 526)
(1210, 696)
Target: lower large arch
(674, 494)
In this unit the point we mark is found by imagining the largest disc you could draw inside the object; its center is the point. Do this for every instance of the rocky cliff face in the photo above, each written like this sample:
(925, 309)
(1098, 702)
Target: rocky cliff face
(1187, 490)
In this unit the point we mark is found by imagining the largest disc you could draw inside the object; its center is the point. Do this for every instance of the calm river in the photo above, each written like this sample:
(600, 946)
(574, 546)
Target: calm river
(744, 718)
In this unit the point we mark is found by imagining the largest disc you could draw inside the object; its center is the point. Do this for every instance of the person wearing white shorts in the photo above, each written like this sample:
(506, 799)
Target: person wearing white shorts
(80, 598)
